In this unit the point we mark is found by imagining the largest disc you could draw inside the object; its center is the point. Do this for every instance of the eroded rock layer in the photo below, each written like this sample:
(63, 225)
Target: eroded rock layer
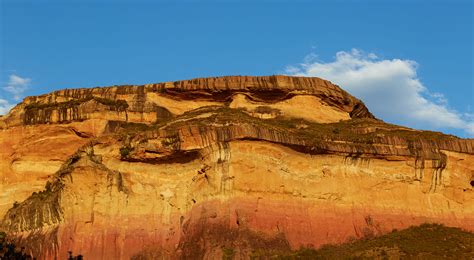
(157, 102)
(197, 169)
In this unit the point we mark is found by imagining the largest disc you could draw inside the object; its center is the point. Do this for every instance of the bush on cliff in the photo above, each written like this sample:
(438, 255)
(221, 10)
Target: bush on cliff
(9, 251)
(125, 152)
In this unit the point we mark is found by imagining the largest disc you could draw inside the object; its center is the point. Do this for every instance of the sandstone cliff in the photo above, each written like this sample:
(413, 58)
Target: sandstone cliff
(190, 169)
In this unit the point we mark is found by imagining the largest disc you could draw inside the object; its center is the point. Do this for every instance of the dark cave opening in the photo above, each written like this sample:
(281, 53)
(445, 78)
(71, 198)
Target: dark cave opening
(472, 183)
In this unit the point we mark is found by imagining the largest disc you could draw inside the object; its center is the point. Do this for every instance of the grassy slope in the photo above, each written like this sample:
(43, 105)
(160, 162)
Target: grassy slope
(350, 130)
(428, 241)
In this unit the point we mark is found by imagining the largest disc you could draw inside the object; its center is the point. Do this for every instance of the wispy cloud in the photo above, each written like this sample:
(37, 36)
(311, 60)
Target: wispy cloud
(15, 89)
(5, 106)
(17, 86)
(390, 88)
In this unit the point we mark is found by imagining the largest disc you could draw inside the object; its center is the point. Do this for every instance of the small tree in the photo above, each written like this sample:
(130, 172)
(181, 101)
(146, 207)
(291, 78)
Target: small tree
(72, 257)
(125, 151)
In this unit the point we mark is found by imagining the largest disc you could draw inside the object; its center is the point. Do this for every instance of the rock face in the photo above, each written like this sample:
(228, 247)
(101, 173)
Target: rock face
(157, 102)
(200, 168)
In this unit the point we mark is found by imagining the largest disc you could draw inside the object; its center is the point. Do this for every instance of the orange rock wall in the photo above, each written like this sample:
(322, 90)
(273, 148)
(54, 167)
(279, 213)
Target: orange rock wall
(253, 190)
(194, 183)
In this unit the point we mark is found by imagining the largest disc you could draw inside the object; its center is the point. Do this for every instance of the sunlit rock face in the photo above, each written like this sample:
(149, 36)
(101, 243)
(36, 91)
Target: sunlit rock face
(193, 169)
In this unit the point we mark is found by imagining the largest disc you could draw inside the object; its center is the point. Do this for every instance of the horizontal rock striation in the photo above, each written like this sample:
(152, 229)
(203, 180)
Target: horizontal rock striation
(79, 104)
(226, 125)
(225, 167)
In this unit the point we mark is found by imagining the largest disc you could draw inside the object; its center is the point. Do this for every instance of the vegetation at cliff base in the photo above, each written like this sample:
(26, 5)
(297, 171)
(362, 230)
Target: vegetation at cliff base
(8, 250)
(427, 241)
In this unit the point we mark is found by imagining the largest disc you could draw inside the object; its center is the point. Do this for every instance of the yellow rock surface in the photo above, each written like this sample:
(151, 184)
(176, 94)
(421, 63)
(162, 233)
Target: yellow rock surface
(208, 169)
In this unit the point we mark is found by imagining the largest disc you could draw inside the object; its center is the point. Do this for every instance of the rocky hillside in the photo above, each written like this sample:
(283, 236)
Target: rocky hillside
(191, 169)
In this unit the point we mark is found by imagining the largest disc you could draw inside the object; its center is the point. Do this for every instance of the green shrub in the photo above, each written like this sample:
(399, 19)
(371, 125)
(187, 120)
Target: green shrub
(125, 151)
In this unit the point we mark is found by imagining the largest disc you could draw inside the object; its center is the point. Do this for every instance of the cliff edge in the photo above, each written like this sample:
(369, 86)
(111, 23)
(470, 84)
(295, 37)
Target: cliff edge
(195, 168)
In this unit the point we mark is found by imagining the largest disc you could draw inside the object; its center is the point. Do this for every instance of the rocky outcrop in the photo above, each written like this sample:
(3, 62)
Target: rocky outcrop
(142, 103)
(220, 167)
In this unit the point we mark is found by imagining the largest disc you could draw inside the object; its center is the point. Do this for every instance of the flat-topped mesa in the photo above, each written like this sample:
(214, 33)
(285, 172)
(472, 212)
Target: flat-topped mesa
(250, 83)
(154, 102)
(275, 83)
(194, 169)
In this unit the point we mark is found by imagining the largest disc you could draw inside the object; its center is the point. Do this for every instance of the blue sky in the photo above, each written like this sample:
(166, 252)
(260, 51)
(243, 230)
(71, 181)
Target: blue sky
(414, 55)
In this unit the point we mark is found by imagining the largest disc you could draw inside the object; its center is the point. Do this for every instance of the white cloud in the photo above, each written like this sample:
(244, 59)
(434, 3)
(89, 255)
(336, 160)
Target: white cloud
(5, 106)
(390, 88)
(17, 86)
